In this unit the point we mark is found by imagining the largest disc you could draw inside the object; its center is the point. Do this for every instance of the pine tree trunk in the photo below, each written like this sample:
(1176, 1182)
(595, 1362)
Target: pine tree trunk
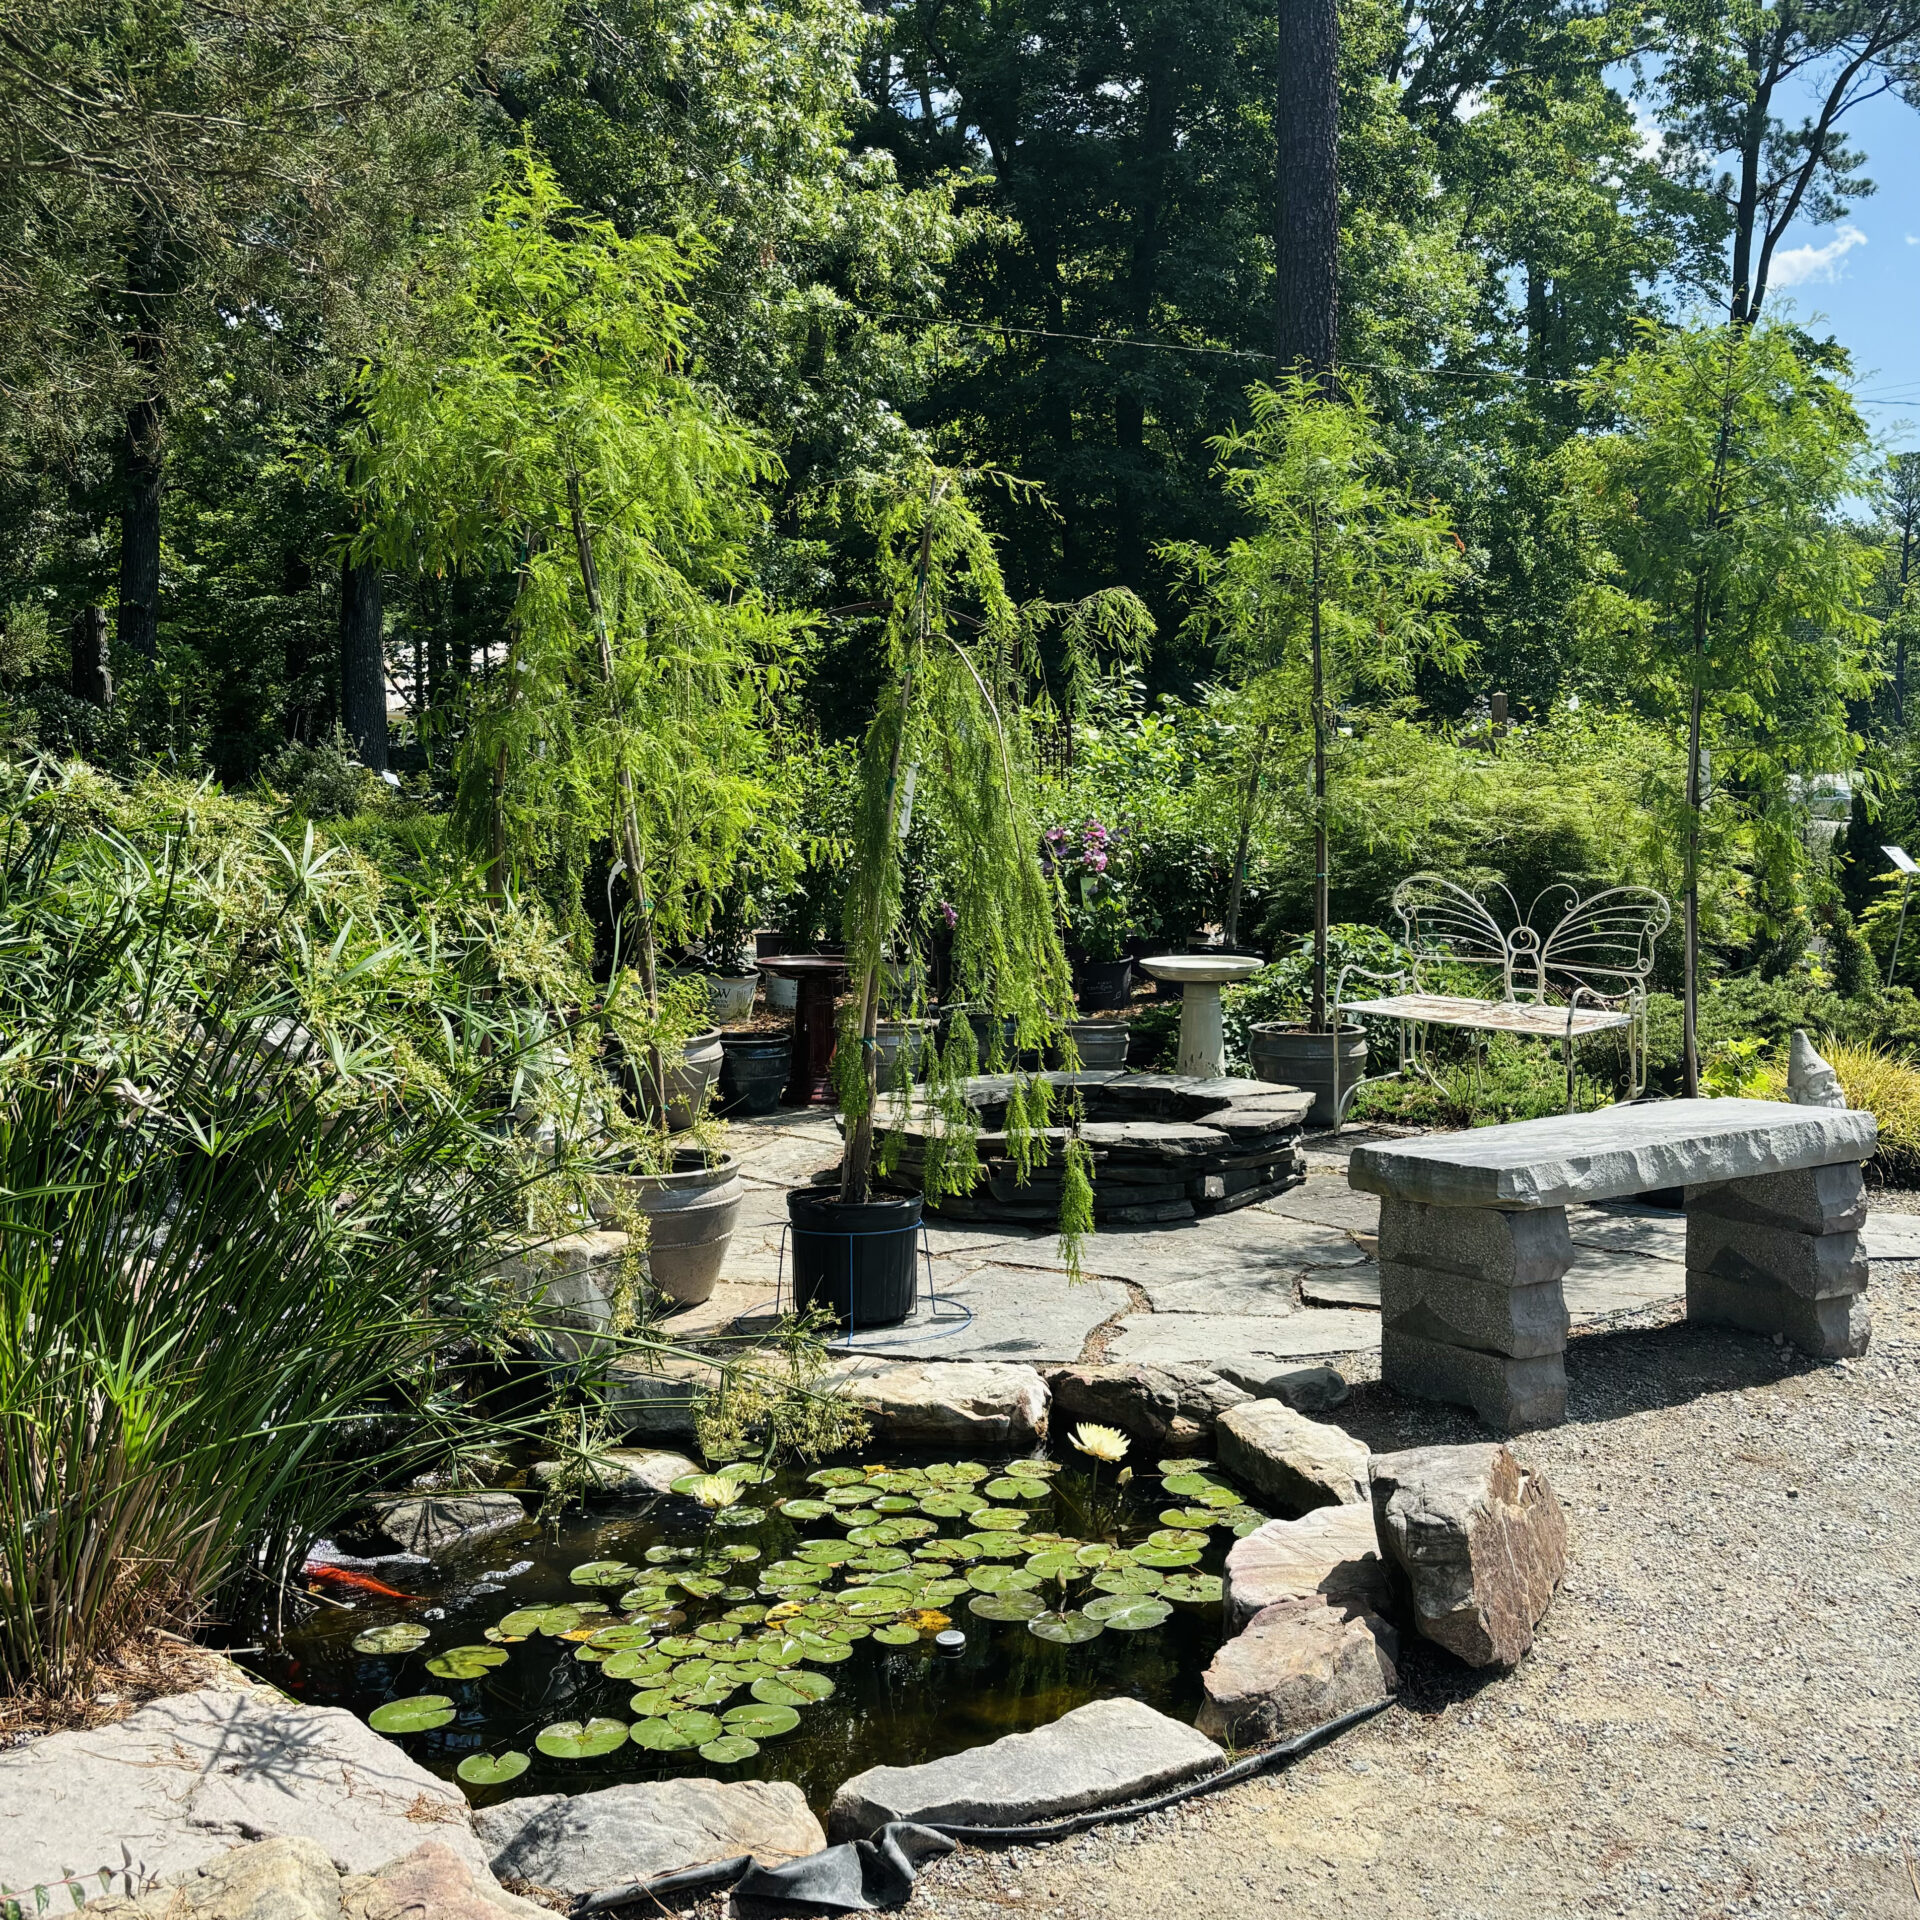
(1317, 1021)
(142, 477)
(1306, 227)
(91, 676)
(363, 663)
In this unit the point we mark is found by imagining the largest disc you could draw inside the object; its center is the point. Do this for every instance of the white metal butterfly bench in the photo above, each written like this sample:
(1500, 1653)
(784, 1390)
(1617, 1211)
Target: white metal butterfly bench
(1586, 975)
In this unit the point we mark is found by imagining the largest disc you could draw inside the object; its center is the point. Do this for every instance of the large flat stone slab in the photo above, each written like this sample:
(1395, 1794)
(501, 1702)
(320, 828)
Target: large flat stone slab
(1612, 1153)
(1891, 1236)
(955, 1403)
(1022, 1316)
(1602, 1282)
(198, 1773)
(1095, 1756)
(591, 1842)
(1163, 1407)
(1242, 1342)
(1658, 1235)
(1326, 1200)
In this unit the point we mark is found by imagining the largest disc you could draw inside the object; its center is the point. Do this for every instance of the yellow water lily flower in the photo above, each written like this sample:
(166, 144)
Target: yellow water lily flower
(714, 1491)
(1102, 1443)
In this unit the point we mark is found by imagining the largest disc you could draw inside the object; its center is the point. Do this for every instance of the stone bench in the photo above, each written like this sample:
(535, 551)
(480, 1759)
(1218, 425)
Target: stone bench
(1474, 1242)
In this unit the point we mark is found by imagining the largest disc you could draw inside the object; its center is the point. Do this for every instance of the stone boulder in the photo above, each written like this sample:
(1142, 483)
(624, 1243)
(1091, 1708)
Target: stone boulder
(1096, 1756)
(570, 1283)
(431, 1523)
(623, 1473)
(1304, 1389)
(294, 1879)
(969, 1404)
(1287, 1458)
(1329, 1554)
(194, 1775)
(589, 1842)
(1165, 1407)
(660, 1402)
(1480, 1542)
(1299, 1664)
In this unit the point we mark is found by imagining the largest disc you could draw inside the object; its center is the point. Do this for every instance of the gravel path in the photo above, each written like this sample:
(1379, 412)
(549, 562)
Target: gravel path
(1720, 1716)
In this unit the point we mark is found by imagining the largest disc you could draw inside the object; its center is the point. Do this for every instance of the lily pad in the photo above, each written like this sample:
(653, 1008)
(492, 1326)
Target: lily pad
(999, 1520)
(1094, 1554)
(1000, 1546)
(1165, 1556)
(728, 1749)
(1201, 1589)
(836, 1477)
(805, 1509)
(828, 1553)
(1016, 1487)
(1064, 1629)
(1129, 1580)
(1192, 1486)
(418, 1713)
(739, 1516)
(896, 1503)
(896, 1636)
(492, 1770)
(1036, 1466)
(602, 1573)
(994, 1579)
(722, 1630)
(1245, 1520)
(762, 1720)
(467, 1663)
(575, 1740)
(694, 1727)
(626, 1634)
(651, 1702)
(1127, 1612)
(659, 1736)
(1056, 1563)
(554, 1621)
(702, 1586)
(947, 1506)
(750, 1473)
(1006, 1606)
(402, 1637)
(796, 1689)
(1177, 1537)
(1191, 1518)
(860, 1496)
(666, 1556)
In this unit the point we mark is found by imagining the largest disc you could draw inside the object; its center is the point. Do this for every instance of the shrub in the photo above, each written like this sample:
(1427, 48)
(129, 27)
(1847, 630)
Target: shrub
(1887, 1085)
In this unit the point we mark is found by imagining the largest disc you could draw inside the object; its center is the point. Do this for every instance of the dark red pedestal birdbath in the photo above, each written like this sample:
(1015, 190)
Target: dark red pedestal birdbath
(820, 978)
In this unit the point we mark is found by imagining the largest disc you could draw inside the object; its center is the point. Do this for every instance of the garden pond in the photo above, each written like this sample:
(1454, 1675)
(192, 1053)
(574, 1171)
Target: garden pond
(788, 1628)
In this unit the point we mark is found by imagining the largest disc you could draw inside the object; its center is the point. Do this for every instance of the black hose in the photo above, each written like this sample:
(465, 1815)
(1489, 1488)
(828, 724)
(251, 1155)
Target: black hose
(1245, 1768)
(723, 1873)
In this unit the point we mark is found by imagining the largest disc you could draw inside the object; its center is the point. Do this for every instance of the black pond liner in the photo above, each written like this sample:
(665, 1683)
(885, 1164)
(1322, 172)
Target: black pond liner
(866, 1876)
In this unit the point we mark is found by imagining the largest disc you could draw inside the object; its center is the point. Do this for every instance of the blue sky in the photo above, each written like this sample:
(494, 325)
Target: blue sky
(1860, 279)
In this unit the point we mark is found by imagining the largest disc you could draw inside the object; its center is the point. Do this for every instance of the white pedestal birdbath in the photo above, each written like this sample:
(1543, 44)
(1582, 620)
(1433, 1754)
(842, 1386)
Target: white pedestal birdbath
(1203, 1047)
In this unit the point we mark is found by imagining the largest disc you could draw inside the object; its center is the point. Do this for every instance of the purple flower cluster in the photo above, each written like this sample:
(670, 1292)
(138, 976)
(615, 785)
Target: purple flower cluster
(1091, 853)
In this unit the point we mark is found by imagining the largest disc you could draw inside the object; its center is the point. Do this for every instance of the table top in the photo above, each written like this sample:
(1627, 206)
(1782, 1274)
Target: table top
(1491, 1016)
(1612, 1153)
(798, 966)
(1202, 969)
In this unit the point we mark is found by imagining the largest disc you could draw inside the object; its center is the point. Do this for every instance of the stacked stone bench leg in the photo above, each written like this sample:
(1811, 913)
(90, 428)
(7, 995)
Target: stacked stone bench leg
(1473, 1237)
(1471, 1309)
(1781, 1254)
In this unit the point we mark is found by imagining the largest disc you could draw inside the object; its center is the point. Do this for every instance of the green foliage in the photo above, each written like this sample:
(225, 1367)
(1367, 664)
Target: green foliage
(541, 422)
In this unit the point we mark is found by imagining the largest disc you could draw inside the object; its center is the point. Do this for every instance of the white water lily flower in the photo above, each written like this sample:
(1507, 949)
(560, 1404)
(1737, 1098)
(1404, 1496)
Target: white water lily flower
(1102, 1443)
(715, 1490)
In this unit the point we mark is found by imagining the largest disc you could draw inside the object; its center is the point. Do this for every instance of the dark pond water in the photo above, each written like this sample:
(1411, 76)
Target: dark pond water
(904, 1548)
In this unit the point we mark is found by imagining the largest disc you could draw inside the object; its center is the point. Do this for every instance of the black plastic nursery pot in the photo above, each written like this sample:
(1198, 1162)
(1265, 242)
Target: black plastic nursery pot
(855, 1259)
(1103, 984)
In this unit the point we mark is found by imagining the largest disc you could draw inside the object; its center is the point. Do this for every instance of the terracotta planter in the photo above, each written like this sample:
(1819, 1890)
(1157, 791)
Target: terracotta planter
(690, 1212)
(1293, 1057)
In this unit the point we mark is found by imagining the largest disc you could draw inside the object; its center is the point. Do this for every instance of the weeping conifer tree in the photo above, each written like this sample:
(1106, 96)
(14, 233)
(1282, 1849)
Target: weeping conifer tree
(954, 733)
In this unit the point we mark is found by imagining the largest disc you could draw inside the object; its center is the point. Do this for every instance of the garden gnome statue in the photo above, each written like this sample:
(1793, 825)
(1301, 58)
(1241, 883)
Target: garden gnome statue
(1810, 1081)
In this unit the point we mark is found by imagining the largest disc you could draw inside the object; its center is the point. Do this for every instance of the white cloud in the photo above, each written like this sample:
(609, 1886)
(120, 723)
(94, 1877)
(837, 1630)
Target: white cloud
(1913, 239)
(1798, 265)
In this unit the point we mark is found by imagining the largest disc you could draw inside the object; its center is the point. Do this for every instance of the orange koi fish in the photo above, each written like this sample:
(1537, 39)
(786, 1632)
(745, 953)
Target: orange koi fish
(359, 1582)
